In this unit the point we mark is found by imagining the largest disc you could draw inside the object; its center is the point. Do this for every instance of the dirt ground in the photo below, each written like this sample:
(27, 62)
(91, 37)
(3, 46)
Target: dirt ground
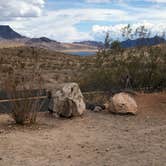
(96, 139)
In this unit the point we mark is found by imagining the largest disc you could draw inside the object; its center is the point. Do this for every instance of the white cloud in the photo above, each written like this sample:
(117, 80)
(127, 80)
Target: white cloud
(157, 1)
(14, 9)
(116, 30)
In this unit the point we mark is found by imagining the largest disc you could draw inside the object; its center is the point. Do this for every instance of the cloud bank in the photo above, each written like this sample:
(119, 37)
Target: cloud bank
(116, 30)
(15, 9)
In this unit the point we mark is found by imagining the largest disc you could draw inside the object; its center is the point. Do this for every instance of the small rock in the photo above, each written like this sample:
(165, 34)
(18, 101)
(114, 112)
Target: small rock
(119, 147)
(97, 109)
(69, 156)
(10, 126)
(1, 131)
(107, 150)
(0, 158)
(96, 149)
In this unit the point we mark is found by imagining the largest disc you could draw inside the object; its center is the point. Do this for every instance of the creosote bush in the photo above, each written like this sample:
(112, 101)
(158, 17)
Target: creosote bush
(144, 68)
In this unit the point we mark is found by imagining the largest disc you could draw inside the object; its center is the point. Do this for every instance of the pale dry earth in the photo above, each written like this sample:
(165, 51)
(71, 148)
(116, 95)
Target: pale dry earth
(95, 139)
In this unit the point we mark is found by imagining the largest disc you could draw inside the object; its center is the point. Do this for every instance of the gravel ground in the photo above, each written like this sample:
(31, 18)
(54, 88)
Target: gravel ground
(96, 139)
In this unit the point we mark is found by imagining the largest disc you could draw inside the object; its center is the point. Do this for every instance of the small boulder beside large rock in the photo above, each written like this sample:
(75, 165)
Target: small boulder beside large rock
(122, 103)
(95, 107)
(68, 100)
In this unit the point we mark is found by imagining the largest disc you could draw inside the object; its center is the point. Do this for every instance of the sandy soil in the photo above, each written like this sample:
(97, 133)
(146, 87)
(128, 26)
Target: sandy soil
(96, 139)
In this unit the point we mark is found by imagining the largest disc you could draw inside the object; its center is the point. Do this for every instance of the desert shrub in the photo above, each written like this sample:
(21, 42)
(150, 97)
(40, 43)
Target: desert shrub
(96, 80)
(101, 79)
(145, 67)
(24, 84)
(24, 110)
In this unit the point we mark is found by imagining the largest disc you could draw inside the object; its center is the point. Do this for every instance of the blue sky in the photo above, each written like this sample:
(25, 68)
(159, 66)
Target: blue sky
(76, 20)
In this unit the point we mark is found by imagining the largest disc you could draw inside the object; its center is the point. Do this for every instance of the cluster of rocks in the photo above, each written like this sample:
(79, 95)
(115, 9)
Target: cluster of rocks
(68, 101)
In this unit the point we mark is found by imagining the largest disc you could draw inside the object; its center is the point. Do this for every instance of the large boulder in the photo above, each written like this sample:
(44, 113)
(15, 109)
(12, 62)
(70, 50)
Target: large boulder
(68, 100)
(122, 103)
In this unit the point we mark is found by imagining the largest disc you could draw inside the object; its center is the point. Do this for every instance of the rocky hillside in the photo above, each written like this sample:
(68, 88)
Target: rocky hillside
(53, 45)
(54, 66)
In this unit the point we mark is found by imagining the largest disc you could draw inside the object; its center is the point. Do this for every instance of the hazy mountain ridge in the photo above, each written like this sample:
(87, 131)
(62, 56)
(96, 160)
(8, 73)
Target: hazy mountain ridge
(129, 43)
(10, 38)
(142, 42)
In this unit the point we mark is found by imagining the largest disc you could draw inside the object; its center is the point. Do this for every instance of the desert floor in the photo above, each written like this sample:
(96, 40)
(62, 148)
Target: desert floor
(96, 139)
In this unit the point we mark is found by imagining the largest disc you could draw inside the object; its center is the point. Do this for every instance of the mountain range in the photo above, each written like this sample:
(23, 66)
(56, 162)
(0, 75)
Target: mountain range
(143, 42)
(129, 43)
(9, 37)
